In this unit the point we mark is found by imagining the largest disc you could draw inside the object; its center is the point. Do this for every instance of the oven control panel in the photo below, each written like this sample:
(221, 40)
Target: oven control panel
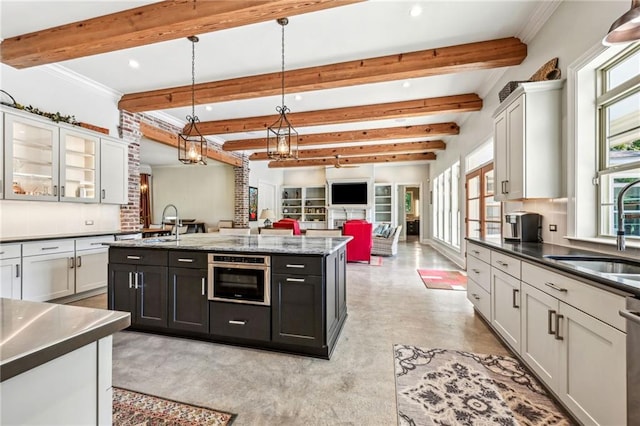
(231, 258)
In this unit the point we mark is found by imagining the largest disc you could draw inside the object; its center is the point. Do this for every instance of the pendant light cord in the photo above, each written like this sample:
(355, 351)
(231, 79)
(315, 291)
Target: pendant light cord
(193, 77)
(283, 107)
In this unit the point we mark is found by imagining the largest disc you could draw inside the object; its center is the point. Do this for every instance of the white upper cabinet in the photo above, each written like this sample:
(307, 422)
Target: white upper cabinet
(527, 142)
(114, 172)
(79, 160)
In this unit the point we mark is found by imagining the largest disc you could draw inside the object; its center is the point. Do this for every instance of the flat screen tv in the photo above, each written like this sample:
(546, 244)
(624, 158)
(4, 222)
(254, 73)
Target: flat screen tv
(349, 193)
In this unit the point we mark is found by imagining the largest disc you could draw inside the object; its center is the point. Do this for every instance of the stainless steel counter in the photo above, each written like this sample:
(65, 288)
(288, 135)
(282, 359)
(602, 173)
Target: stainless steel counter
(8, 240)
(33, 333)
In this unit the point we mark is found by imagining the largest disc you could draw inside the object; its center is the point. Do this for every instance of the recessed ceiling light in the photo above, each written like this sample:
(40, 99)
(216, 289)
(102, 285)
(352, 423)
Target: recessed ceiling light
(400, 120)
(134, 64)
(416, 10)
(406, 84)
(298, 97)
(208, 107)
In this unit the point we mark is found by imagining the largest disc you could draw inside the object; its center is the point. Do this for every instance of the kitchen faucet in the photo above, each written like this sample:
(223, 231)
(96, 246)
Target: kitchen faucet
(176, 218)
(621, 216)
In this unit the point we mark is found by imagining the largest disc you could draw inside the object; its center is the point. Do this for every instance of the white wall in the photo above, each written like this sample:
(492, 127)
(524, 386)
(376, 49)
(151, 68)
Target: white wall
(205, 193)
(268, 181)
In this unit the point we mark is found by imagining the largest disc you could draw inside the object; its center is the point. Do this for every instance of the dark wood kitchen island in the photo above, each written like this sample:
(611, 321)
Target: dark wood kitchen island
(278, 293)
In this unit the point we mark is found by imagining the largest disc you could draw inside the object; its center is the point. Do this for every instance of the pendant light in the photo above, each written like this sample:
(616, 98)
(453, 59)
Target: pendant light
(282, 138)
(626, 28)
(192, 146)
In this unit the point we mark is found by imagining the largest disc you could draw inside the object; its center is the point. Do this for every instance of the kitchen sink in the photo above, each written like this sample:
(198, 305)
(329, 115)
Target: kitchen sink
(620, 268)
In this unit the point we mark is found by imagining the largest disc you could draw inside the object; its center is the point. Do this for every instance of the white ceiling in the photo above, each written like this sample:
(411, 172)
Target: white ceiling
(370, 29)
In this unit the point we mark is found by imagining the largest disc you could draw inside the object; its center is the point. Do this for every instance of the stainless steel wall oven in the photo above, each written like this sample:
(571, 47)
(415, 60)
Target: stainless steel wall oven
(240, 278)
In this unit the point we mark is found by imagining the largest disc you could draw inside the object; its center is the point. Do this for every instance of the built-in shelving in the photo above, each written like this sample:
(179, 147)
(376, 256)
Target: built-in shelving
(383, 203)
(306, 204)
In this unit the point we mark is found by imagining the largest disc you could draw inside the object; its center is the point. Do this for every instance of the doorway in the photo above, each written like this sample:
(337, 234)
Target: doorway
(409, 211)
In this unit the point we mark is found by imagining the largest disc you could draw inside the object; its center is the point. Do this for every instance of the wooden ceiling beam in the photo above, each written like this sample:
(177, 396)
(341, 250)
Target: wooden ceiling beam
(426, 156)
(407, 147)
(444, 60)
(171, 139)
(416, 108)
(405, 132)
(153, 23)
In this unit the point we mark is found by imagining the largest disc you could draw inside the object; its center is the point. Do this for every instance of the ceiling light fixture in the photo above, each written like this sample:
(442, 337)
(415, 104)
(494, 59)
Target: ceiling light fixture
(282, 138)
(406, 84)
(416, 10)
(626, 28)
(134, 64)
(208, 107)
(192, 146)
(298, 97)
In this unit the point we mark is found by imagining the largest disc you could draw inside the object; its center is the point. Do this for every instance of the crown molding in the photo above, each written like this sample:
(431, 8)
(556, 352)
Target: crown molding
(539, 17)
(82, 81)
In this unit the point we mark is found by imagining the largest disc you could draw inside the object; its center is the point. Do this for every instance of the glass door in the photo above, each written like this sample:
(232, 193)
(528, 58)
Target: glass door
(484, 213)
(78, 160)
(31, 159)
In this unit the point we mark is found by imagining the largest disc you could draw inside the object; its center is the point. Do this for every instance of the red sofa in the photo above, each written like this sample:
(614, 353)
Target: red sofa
(288, 224)
(359, 248)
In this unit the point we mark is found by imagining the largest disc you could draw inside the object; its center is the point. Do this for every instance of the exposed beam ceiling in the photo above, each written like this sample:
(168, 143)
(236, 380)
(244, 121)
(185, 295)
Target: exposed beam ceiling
(171, 139)
(405, 132)
(407, 147)
(353, 160)
(420, 107)
(445, 60)
(153, 23)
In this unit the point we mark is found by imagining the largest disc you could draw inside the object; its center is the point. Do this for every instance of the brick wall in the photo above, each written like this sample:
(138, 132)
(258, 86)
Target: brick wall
(241, 202)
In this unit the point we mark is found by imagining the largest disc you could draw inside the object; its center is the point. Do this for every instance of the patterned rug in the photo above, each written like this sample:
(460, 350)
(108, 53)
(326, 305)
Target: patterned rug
(446, 387)
(138, 409)
(443, 280)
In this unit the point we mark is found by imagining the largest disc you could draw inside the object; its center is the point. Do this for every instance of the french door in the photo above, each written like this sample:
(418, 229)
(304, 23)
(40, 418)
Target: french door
(484, 213)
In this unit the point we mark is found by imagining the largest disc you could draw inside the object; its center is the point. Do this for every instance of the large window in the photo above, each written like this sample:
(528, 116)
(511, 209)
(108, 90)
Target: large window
(618, 105)
(484, 214)
(446, 212)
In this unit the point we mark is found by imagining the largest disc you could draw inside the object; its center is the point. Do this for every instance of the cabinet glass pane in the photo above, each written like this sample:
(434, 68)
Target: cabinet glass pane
(474, 210)
(79, 167)
(473, 187)
(33, 160)
(492, 209)
(474, 229)
(489, 183)
(492, 230)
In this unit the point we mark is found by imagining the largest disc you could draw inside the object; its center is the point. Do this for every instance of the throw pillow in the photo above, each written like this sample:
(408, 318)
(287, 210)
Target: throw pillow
(387, 232)
(378, 230)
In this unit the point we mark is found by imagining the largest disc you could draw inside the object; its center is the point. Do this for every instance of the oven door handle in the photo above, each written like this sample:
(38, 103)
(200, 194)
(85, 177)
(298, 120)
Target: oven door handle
(256, 266)
(631, 316)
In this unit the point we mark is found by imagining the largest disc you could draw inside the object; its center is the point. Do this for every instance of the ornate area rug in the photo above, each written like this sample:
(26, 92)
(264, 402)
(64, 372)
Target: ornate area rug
(446, 387)
(443, 280)
(138, 409)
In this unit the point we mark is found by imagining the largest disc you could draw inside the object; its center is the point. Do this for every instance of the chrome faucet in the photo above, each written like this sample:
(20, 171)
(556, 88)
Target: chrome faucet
(621, 216)
(176, 218)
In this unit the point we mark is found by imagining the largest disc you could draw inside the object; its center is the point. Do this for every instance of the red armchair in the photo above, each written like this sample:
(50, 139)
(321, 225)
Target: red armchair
(359, 248)
(288, 223)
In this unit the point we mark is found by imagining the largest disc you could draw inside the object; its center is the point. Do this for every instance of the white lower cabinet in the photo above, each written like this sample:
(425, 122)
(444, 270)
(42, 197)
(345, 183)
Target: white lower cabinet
(480, 298)
(505, 307)
(10, 271)
(91, 263)
(47, 270)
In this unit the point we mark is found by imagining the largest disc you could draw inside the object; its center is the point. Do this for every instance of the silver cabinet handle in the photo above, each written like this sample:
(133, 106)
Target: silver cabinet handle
(475, 271)
(50, 248)
(558, 318)
(62, 191)
(235, 322)
(71, 262)
(475, 296)
(185, 260)
(514, 298)
(133, 257)
(135, 282)
(95, 244)
(17, 270)
(550, 322)
(55, 190)
(130, 280)
(555, 287)
(79, 261)
(104, 194)
(475, 252)
(501, 263)
(630, 315)
(1, 252)
(295, 280)
(295, 266)
(203, 286)
(506, 186)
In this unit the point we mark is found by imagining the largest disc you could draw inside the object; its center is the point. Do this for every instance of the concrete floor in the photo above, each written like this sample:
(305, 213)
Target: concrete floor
(387, 304)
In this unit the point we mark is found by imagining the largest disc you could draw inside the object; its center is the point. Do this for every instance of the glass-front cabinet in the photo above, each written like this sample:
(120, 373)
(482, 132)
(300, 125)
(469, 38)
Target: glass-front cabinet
(78, 159)
(383, 203)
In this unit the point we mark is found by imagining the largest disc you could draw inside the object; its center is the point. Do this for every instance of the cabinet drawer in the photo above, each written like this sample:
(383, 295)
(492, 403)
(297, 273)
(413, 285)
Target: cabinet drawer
(9, 251)
(188, 259)
(479, 272)
(93, 242)
(596, 302)
(479, 252)
(242, 321)
(507, 264)
(480, 299)
(137, 256)
(299, 265)
(47, 247)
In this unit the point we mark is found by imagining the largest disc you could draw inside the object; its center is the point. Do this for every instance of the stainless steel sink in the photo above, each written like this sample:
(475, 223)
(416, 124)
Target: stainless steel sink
(603, 265)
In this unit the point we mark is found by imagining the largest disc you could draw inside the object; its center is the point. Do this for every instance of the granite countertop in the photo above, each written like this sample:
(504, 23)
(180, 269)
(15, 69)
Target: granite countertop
(271, 244)
(33, 333)
(8, 240)
(537, 253)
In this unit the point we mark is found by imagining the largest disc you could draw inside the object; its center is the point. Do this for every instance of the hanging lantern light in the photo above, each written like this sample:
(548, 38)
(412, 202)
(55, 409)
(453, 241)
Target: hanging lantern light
(192, 146)
(282, 138)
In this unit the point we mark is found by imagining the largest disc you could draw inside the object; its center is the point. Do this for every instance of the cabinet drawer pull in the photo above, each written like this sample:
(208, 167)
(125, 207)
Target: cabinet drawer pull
(236, 322)
(135, 281)
(475, 252)
(506, 186)
(130, 280)
(185, 260)
(203, 286)
(133, 257)
(104, 194)
(62, 191)
(17, 270)
(295, 266)
(79, 261)
(1, 252)
(550, 322)
(475, 271)
(50, 248)
(501, 263)
(514, 298)
(555, 287)
(72, 262)
(295, 280)
(55, 190)
(95, 244)
(475, 296)
(558, 318)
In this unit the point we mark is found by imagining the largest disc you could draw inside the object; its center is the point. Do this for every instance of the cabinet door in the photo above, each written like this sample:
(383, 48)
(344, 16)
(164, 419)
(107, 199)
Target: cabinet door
(500, 149)
(188, 304)
(151, 289)
(342, 281)
(114, 172)
(79, 156)
(31, 159)
(91, 269)
(593, 380)
(121, 294)
(540, 348)
(515, 137)
(47, 277)
(505, 307)
(331, 293)
(10, 281)
(296, 310)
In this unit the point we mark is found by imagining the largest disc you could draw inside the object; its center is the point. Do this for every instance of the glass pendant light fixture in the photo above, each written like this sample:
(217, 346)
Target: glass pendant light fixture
(626, 28)
(192, 146)
(282, 138)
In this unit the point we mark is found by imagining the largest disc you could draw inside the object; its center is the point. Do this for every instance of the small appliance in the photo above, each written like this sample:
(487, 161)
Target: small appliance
(524, 227)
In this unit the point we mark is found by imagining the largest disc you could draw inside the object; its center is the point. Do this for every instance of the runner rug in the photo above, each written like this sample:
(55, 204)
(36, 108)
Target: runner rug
(446, 387)
(443, 280)
(134, 409)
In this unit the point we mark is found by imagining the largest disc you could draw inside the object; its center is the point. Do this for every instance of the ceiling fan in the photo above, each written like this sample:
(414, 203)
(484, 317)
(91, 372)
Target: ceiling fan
(337, 164)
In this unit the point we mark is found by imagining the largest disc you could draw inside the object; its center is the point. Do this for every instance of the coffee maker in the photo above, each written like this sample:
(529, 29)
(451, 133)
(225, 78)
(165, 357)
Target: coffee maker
(523, 227)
